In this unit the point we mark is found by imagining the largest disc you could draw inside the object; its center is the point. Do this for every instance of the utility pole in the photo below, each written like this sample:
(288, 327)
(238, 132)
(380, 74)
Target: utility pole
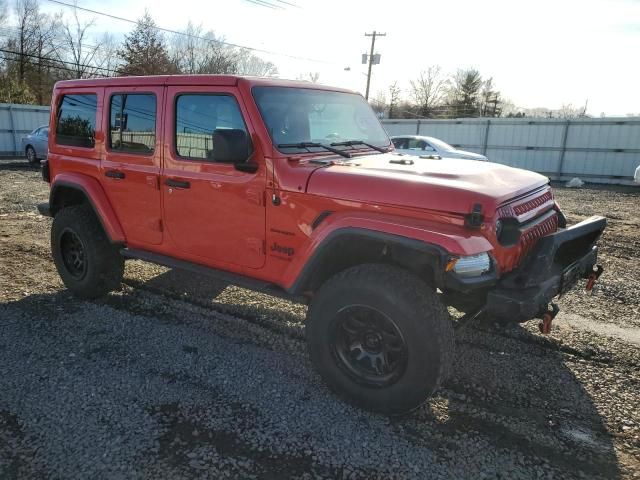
(373, 44)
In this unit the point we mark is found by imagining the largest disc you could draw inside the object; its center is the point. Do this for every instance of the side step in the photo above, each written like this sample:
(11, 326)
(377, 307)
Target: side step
(232, 278)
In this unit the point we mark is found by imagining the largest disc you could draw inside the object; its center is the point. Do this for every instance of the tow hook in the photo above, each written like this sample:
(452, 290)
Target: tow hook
(593, 277)
(547, 319)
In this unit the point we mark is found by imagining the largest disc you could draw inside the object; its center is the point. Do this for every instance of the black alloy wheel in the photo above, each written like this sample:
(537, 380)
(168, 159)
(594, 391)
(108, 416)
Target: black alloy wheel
(369, 345)
(73, 254)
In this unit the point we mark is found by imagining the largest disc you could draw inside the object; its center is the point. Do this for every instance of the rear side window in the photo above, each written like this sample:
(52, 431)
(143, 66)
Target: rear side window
(198, 117)
(133, 123)
(76, 123)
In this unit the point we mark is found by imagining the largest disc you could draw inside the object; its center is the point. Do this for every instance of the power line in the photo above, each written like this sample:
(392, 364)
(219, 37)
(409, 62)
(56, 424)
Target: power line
(287, 3)
(58, 67)
(53, 63)
(262, 3)
(175, 32)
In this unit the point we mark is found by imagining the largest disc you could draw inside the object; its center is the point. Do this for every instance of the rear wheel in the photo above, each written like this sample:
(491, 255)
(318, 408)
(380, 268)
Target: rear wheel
(380, 337)
(30, 152)
(89, 265)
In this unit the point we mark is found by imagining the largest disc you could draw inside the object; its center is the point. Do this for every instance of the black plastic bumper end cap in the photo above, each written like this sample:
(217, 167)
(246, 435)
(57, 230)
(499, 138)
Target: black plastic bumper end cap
(44, 209)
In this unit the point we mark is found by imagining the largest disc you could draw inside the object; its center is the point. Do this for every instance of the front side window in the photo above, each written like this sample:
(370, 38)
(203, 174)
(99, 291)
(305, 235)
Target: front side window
(399, 143)
(299, 115)
(76, 122)
(203, 120)
(132, 125)
(418, 144)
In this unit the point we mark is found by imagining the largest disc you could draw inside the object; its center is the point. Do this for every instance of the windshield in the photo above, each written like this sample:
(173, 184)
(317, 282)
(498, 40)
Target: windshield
(306, 115)
(440, 145)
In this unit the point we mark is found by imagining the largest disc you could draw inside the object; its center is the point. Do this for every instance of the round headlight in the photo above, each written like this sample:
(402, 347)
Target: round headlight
(473, 265)
(498, 228)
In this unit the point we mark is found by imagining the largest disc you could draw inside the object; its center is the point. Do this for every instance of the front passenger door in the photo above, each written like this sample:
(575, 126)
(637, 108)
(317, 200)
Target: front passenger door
(213, 211)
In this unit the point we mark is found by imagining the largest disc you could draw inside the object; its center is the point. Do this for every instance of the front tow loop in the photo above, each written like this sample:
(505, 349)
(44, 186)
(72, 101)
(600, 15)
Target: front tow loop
(593, 277)
(547, 319)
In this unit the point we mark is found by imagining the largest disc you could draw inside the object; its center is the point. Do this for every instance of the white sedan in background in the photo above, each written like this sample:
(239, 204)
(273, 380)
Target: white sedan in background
(419, 145)
(35, 145)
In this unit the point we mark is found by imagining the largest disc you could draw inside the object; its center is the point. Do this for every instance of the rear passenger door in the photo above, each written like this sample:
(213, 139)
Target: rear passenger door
(214, 213)
(131, 162)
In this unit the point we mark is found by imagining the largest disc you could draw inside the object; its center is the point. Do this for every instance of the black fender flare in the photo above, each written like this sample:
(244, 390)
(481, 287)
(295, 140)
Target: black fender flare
(406, 251)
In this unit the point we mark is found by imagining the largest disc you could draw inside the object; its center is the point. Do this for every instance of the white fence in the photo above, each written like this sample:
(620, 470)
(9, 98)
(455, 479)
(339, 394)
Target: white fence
(597, 150)
(17, 121)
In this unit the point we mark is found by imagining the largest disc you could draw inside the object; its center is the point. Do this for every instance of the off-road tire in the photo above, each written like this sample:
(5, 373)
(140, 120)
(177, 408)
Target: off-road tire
(32, 156)
(104, 265)
(415, 309)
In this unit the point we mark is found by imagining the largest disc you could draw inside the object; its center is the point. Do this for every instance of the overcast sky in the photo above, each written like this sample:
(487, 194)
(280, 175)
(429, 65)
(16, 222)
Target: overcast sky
(541, 53)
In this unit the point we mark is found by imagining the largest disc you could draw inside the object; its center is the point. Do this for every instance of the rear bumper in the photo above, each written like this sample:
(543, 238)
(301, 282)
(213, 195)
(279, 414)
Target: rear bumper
(554, 267)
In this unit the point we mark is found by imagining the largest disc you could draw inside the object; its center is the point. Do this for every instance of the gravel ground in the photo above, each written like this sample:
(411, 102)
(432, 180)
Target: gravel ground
(176, 376)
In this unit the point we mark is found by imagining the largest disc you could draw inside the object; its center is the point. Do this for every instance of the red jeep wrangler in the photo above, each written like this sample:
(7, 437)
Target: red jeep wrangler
(294, 189)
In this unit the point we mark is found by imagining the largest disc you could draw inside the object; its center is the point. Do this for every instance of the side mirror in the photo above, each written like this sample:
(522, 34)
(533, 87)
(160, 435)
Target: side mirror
(232, 145)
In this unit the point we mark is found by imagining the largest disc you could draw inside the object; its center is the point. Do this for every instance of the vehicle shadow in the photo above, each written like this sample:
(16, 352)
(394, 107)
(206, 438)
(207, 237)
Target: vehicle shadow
(513, 401)
(20, 164)
(210, 292)
(187, 284)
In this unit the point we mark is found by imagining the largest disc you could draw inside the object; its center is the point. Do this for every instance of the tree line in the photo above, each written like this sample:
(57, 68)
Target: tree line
(38, 49)
(465, 93)
(462, 94)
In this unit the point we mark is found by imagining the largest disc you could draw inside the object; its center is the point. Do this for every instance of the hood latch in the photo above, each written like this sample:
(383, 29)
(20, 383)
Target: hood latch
(475, 218)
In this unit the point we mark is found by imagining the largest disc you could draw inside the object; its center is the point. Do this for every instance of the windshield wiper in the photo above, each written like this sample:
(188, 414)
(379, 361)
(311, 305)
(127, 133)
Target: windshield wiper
(351, 143)
(308, 145)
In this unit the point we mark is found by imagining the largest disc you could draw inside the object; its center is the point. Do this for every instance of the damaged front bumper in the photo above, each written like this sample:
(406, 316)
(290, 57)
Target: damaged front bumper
(553, 268)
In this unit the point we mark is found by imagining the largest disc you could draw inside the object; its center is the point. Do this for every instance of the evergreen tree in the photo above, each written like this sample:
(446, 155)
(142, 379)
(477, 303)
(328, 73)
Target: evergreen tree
(465, 93)
(144, 51)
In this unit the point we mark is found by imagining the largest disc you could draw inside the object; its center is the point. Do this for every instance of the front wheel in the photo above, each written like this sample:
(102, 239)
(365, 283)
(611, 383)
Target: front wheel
(380, 337)
(89, 265)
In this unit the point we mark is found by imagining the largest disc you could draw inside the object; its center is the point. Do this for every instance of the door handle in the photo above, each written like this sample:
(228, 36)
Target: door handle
(115, 174)
(177, 183)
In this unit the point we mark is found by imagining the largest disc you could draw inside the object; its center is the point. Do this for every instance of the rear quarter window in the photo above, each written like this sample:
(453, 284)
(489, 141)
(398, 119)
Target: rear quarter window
(76, 122)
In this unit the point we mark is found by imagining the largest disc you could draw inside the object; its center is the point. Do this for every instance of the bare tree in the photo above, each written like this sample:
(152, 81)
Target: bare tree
(25, 45)
(194, 51)
(428, 90)
(81, 54)
(379, 103)
(394, 97)
(312, 77)
(3, 11)
(45, 61)
(250, 64)
(106, 58)
(568, 111)
(490, 101)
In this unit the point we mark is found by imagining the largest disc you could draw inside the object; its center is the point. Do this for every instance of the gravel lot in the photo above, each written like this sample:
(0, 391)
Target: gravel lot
(176, 376)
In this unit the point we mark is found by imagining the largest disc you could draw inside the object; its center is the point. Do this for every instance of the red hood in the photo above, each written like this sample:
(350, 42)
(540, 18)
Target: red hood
(445, 184)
